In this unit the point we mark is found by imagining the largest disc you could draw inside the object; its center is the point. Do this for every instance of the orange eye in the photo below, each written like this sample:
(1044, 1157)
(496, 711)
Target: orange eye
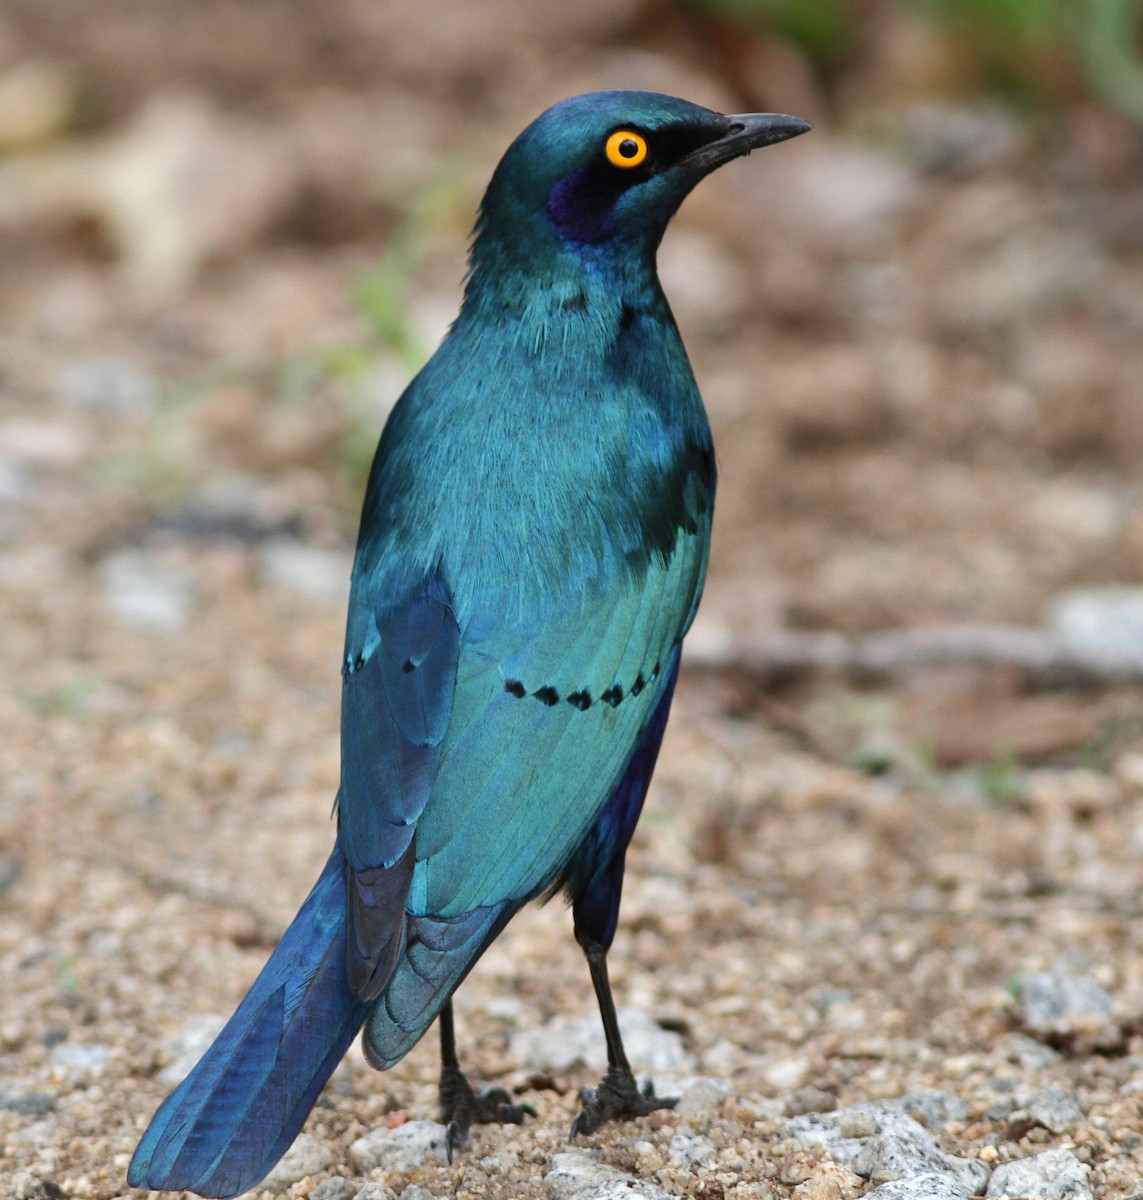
(625, 148)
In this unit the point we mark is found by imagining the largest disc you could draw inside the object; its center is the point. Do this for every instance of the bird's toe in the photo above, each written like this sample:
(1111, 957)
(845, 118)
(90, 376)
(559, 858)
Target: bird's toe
(461, 1108)
(618, 1096)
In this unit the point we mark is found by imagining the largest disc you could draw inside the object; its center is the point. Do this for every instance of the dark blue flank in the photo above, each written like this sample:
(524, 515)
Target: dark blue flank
(594, 877)
(532, 550)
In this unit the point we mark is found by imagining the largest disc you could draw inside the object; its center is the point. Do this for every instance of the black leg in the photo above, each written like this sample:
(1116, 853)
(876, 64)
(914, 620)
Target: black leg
(461, 1107)
(618, 1094)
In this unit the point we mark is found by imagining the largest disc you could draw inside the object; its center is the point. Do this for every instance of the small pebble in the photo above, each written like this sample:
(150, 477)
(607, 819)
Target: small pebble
(1053, 999)
(786, 1074)
(26, 1103)
(1053, 1108)
(80, 1057)
(810, 1099)
(1029, 1054)
(826, 998)
(334, 1188)
(690, 1148)
(377, 1191)
(694, 1094)
(932, 1109)
(402, 1149)
(701, 1096)
(501, 1162)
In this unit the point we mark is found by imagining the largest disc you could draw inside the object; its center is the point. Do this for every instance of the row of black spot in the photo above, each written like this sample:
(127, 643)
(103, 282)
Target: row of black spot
(357, 662)
(580, 699)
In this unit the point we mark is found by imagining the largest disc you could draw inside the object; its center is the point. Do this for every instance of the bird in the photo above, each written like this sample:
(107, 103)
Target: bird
(533, 546)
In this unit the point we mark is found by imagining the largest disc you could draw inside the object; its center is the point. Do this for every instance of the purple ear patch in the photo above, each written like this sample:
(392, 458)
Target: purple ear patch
(579, 205)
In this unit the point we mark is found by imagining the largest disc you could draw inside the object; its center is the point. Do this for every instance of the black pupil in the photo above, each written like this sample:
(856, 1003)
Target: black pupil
(628, 148)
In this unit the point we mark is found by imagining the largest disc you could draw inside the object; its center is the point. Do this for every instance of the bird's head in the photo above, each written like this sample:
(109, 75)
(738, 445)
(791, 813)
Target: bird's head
(602, 174)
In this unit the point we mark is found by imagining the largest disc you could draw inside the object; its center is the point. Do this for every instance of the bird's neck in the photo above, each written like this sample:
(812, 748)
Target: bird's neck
(538, 279)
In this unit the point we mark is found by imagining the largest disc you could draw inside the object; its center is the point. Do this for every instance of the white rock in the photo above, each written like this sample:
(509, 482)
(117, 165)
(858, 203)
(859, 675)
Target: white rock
(560, 1045)
(1054, 1108)
(315, 572)
(930, 1185)
(881, 1144)
(1103, 626)
(937, 1108)
(500, 1163)
(691, 1148)
(699, 1095)
(1059, 998)
(1053, 1175)
(786, 1074)
(189, 1045)
(80, 1058)
(402, 1149)
(334, 1188)
(577, 1177)
(307, 1156)
(722, 1057)
(377, 1191)
(146, 593)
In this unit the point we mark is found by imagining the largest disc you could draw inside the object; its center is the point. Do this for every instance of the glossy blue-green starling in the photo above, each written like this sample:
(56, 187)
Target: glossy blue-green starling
(532, 550)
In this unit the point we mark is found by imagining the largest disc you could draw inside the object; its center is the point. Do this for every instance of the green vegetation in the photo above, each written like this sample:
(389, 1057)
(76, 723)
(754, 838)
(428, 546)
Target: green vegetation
(1000, 780)
(1036, 51)
(382, 296)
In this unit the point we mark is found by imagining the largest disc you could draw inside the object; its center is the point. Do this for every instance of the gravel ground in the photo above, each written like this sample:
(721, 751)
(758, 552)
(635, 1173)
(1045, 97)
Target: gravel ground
(881, 935)
(797, 937)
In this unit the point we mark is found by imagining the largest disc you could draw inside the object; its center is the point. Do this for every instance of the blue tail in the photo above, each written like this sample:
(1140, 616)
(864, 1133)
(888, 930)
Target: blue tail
(222, 1129)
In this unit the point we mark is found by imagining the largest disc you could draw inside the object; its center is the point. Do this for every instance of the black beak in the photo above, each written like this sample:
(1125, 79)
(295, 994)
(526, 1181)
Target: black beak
(744, 132)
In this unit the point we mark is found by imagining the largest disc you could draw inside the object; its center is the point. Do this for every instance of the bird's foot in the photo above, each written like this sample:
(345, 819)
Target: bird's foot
(461, 1108)
(618, 1095)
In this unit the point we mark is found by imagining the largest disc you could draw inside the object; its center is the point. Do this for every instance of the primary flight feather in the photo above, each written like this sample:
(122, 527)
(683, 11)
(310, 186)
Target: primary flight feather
(533, 547)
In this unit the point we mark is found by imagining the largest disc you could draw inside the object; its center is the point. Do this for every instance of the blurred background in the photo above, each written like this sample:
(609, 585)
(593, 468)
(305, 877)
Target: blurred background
(231, 230)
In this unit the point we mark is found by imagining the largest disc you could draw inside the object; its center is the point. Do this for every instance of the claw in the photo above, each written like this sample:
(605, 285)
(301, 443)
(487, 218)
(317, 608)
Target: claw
(455, 1137)
(461, 1108)
(618, 1095)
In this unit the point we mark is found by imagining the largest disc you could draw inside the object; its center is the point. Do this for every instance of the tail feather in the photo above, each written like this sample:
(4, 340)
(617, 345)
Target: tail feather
(439, 952)
(223, 1128)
